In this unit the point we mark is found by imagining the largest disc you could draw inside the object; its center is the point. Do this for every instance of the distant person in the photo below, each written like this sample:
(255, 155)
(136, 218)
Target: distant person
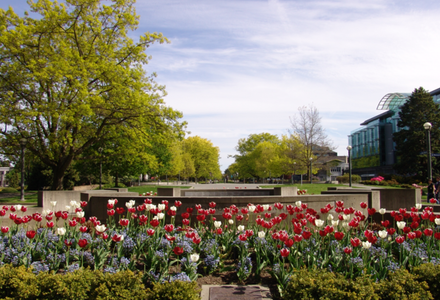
(437, 189)
(431, 190)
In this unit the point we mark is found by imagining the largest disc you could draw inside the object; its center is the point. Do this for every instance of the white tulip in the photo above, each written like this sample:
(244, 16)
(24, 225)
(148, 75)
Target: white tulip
(240, 227)
(111, 201)
(173, 208)
(75, 204)
(266, 206)
(335, 223)
(231, 221)
(100, 228)
(61, 231)
(330, 217)
(383, 234)
(366, 245)
(345, 225)
(401, 224)
(298, 204)
(217, 224)
(67, 207)
(252, 208)
(161, 206)
(18, 207)
(261, 234)
(437, 221)
(194, 257)
(346, 217)
(319, 223)
(53, 203)
(160, 216)
(382, 211)
(418, 205)
(80, 214)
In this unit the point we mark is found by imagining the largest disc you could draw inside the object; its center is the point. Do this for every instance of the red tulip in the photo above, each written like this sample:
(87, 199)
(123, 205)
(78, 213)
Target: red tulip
(177, 203)
(219, 231)
(150, 232)
(117, 238)
(196, 240)
(355, 242)
(169, 227)
(178, 250)
(289, 243)
(68, 243)
(306, 234)
(339, 235)
(400, 239)
(348, 250)
(437, 235)
(31, 234)
(428, 232)
(120, 210)
(364, 205)
(83, 229)
(154, 222)
(284, 252)
(124, 222)
(212, 204)
(82, 243)
(5, 229)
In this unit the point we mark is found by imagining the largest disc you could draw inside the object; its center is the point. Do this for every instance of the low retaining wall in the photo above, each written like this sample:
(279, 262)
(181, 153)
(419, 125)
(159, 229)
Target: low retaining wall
(277, 191)
(63, 198)
(97, 205)
(390, 199)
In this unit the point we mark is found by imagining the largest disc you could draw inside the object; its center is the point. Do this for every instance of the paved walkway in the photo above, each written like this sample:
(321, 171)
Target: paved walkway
(238, 292)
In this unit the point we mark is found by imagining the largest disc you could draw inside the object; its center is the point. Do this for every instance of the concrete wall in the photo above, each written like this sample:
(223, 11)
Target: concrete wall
(227, 192)
(63, 198)
(373, 196)
(390, 199)
(85, 187)
(98, 203)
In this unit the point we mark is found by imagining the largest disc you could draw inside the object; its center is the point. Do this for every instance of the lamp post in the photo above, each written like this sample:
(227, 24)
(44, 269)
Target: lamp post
(349, 164)
(294, 171)
(311, 159)
(22, 142)
(428, 127)
(100, 167)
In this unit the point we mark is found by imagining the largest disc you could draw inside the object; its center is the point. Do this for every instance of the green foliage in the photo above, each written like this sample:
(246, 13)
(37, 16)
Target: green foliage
(176, 290)
(402, 285)
(21, 283)
(9, 190)
(201, 156)
(13, 177)
(74, 80)
(431, 275)
(319, 284)
(411, 139)
(366, 161)
(346, 178)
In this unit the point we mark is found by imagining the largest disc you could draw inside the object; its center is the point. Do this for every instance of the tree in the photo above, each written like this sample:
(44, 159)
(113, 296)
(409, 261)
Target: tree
(72, 78)
(411, 140)
(306, 125)
(246, 160)
(290, 151)
(204, 156)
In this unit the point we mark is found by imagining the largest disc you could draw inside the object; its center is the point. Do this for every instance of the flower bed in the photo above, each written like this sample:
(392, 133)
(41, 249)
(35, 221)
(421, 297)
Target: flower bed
(253, 240)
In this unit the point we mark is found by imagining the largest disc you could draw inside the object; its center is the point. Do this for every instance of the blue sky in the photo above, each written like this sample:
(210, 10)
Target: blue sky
(238, 67)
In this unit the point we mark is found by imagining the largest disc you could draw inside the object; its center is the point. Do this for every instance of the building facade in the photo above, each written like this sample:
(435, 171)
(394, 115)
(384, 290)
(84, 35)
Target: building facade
(373, 149)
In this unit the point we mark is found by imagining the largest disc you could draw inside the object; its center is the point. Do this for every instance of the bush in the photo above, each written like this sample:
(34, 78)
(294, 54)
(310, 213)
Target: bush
(346, 178)
(9, 190)
(431, 275)
(176, 290)
(403, 285)
(321, 284)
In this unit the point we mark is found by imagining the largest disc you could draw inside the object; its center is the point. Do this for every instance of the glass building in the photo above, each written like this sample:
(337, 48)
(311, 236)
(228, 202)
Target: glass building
(373, 148)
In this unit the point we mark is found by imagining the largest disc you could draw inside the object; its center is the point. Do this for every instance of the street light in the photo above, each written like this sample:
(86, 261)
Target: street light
(428, 127)
(310, 169)
(294, 170)
(100, 167)
(22, 142)
(349, 163)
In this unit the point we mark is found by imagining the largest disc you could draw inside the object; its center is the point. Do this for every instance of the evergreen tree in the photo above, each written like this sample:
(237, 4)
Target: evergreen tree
(411, 139)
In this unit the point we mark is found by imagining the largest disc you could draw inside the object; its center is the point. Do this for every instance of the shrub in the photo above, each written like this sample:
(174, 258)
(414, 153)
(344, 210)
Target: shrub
(176, 290)
(431, 275)
(402, 285)
(320, 284)
(9, 190)
(17, 283)
(346, 178)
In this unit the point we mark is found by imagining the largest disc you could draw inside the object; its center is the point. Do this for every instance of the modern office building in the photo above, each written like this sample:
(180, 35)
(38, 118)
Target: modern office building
(373, 148)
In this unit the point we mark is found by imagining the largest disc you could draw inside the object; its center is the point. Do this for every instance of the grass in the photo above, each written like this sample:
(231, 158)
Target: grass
(30, 196)
(312, 189)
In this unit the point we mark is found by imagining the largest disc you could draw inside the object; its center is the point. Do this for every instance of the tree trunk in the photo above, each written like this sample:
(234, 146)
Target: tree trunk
(58, 172)
(116, 179)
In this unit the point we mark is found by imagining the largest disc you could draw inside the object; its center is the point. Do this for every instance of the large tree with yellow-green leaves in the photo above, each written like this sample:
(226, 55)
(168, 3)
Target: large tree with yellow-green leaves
(71, 79)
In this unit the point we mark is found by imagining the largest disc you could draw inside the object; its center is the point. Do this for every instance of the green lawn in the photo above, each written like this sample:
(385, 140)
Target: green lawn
(30, 196)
